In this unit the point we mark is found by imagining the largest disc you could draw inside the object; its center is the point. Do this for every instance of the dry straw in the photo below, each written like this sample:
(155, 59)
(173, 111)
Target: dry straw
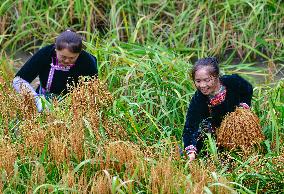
(240, 129)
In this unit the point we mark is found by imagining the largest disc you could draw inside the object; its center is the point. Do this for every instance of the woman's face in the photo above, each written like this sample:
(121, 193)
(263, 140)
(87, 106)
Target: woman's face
(65, 57)
(205, 82)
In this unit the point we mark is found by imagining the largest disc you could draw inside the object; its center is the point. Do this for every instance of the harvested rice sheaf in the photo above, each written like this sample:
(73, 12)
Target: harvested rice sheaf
(240, 128)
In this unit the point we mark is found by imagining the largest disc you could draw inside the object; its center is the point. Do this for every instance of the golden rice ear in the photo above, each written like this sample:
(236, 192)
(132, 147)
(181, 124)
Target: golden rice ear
(240, 129)
(90, 95)
(8, 157)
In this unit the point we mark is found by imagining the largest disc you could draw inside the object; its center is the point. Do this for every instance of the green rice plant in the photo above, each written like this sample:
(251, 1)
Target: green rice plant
(259, 174)
(144, 77)
(208, 28)
(271, 113)
(212, 146)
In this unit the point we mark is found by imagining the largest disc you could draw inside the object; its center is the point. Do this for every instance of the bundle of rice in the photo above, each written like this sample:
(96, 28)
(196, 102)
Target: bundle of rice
(240, 128)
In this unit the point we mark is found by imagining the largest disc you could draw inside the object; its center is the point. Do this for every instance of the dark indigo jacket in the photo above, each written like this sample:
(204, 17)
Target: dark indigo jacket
(39, 65)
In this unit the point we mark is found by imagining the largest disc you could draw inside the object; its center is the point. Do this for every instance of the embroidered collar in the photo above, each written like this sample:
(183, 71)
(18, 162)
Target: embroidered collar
(219, 97)
(55, 66)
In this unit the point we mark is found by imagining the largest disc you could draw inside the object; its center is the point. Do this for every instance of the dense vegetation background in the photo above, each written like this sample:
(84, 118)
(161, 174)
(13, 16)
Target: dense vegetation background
(126, 141)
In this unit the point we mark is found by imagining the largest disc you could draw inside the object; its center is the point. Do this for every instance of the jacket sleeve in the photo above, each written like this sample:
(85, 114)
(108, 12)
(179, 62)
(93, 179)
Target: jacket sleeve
(92, 67)
(197, 111)
(245, 89)
(31, 69)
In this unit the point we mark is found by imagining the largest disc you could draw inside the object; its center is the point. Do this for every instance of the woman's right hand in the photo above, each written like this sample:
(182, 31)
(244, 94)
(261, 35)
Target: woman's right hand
(42, 103)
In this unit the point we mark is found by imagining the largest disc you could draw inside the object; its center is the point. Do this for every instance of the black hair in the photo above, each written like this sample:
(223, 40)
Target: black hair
(69, 40)
(211, 62)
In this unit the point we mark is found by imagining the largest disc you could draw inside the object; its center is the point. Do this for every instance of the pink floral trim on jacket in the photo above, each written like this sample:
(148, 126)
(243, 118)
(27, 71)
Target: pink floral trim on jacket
(218, 98)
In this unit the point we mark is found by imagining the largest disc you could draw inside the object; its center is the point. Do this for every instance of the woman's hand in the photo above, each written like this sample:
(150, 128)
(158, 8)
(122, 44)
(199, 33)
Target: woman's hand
(191, 152)
(191, 156)
(42, 103)
(244, 105)
(38, 102)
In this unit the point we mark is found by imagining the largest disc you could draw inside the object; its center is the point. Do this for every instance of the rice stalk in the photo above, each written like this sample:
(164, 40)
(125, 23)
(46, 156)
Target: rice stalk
(8, 156)
(58, 150)
(101, 183)
(38, 175)
(122, 157)
(31, 138)
(69, 179)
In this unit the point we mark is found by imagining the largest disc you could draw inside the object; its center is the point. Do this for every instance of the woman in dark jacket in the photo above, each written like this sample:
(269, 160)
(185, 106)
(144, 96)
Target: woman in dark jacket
(57, 65)
(215, 97)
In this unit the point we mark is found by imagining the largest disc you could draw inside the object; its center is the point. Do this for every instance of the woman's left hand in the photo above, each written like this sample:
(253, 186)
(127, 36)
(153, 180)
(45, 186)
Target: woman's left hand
(244, 105)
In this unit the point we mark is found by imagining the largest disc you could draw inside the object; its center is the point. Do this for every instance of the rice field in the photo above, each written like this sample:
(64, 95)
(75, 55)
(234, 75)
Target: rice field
(122, 132)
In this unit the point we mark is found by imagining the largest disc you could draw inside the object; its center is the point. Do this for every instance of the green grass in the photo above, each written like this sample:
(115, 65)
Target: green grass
(248, 29)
